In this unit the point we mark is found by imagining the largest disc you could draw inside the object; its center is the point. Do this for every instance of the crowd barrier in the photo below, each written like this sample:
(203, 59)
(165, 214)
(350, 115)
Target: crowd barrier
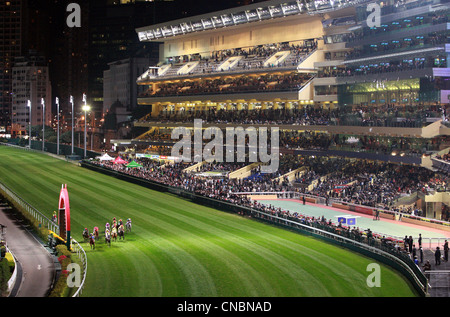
(78, 249)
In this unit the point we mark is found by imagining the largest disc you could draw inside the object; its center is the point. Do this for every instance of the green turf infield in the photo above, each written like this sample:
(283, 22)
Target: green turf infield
(181, 249)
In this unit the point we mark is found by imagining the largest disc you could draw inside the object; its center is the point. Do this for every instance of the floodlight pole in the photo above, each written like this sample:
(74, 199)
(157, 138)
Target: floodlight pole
(43, 124)
(29, 134)
(85, 108)
(85, 131)
(57, 132)
(71, 101)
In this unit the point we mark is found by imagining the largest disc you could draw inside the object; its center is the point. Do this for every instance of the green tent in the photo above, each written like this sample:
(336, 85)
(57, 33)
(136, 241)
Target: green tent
(133, 164)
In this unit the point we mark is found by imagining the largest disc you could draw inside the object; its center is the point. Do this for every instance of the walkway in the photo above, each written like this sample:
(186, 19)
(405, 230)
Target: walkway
(439, 276)
(36, 270)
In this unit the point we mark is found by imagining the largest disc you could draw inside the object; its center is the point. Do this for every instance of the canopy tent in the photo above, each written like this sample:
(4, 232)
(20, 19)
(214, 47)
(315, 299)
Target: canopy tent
(134, 164)
(105, 157)
(119, 160)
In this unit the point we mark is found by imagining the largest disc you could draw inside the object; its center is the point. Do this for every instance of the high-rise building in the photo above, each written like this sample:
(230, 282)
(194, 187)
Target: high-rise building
(112, 38)
(119, 82)
(30, 81)
(10, 47)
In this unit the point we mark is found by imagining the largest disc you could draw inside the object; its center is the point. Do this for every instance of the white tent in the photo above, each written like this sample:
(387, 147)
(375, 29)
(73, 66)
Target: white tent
(105, 157)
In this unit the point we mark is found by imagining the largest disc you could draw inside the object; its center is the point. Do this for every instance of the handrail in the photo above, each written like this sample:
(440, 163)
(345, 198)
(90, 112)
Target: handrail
(321, 199)
(36, 214)
(82, 255)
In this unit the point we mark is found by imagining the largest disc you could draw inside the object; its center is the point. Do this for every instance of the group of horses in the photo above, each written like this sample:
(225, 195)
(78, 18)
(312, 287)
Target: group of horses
(116, 229)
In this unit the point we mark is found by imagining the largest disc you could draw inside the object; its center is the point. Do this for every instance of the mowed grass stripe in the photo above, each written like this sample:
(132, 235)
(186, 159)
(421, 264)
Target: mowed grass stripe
(198, 280)
(174, 216)
(201, 247)
(261, 254)
(178, 248)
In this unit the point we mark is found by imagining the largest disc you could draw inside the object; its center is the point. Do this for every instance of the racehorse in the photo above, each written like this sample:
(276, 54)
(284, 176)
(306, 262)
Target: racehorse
(128, 225)
(96, 232)
(92, 241)
(121, 232)
(114, 233)
(107, 238)
(85, 234)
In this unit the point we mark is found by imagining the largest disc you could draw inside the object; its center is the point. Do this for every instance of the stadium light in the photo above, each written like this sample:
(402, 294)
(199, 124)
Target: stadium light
(85, 108)
(43, 124)
(71, 101)
(29, 134)
(57, 132)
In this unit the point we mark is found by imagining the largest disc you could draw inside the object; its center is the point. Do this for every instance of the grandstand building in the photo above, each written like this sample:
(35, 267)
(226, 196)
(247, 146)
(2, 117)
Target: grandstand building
(199, 71)
(335, 86)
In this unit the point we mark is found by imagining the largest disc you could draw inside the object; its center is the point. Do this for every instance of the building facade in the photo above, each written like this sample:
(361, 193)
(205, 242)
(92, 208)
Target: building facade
(30, 81)
(119, 82)
(10, 47)
(334, 84)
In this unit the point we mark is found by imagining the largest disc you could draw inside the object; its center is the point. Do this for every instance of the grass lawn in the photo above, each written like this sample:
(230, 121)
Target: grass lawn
(181, 249)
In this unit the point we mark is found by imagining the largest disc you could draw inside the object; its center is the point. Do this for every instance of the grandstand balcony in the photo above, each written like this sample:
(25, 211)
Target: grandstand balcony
(239, 62)
(411, 132)
(264, 86)
(402, 11)
(400, 74)
(206, 98)
(441, 165)
(424, 62)
(419, 32)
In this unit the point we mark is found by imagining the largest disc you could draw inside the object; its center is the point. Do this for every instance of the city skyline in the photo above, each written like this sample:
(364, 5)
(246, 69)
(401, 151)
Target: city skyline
(78, 56)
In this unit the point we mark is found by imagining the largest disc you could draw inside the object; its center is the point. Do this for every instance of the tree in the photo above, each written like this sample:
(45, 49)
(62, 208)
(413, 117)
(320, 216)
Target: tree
(36, 131)
(66, 137)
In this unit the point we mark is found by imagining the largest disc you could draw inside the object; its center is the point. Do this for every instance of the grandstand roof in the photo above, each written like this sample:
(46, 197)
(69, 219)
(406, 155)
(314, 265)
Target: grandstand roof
(262, 11)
